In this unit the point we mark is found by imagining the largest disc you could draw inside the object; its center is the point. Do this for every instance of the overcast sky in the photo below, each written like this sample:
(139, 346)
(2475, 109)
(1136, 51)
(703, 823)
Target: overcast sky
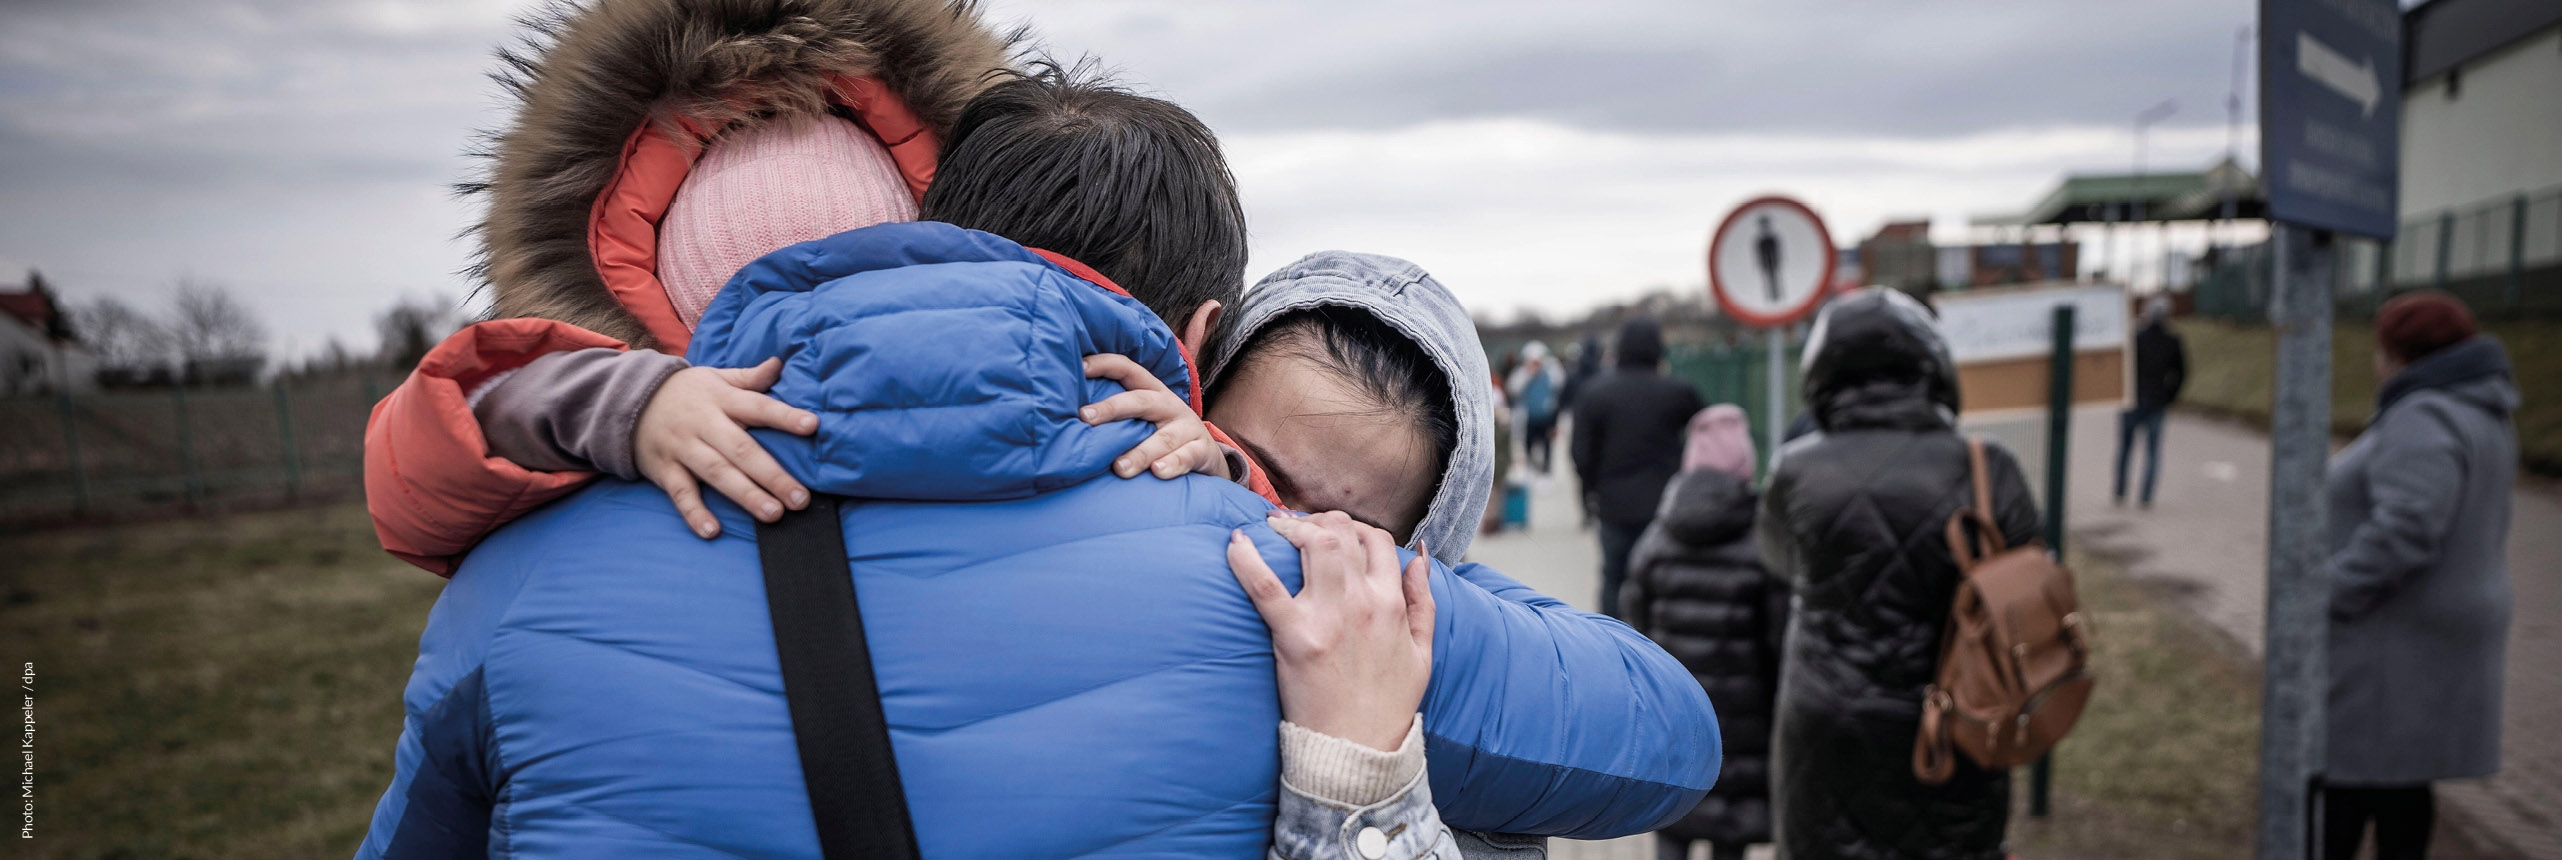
(1553, 155)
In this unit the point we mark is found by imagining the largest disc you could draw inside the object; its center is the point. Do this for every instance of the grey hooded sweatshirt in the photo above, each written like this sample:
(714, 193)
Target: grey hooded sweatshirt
(1405, 297)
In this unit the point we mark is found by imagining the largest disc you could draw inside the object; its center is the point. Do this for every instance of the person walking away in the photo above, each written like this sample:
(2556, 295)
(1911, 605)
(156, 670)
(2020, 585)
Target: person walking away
(2161, 368)
(2420, 600)
(1696, 586)
(1535, 392)
(1855, 518)
(1629, 428)
(1587, 368)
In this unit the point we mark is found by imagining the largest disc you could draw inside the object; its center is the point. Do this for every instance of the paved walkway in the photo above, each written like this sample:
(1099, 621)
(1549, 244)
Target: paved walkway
(2208, 532)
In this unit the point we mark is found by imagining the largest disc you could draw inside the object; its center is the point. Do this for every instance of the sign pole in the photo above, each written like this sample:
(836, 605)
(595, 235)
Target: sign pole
(1778, 342)
(2292, 728)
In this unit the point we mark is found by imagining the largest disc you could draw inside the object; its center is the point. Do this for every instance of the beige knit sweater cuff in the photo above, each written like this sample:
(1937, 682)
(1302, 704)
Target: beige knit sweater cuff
(1339, 771)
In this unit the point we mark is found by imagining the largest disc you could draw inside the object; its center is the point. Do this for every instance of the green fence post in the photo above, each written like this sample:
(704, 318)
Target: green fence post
(285, 431)
(71, 451)
(2059, 432)
(186, 447)
(2445, 246)
(2517, 248)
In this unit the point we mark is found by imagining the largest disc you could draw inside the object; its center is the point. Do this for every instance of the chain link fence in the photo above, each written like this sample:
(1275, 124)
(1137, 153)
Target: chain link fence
(69, 456)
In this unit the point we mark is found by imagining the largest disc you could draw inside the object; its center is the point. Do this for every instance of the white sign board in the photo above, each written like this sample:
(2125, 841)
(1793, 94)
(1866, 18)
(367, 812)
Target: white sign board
(1769, 262)
(1994, 325)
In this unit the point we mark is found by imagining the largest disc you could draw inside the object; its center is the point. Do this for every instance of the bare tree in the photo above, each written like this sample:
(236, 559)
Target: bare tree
(411, 327)
(218, 339)
(129, 344)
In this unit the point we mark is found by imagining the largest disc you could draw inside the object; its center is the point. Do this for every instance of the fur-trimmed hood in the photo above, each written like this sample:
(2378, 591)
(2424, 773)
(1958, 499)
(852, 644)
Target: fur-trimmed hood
(615, 98)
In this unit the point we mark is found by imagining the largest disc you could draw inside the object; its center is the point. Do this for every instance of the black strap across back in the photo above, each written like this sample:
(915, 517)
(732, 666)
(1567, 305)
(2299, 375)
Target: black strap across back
(844, 739)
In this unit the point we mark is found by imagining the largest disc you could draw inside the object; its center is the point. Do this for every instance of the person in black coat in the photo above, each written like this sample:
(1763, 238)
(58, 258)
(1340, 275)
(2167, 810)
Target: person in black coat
(1696, 586)
(2161, 369)
(1628, 432)
(1855, 517)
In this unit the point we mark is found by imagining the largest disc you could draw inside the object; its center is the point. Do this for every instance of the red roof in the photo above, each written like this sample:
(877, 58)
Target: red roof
(31, 307)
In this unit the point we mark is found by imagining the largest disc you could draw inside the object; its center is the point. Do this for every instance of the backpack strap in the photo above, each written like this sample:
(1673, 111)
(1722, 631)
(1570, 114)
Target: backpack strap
(844, 739)
(1987, 538)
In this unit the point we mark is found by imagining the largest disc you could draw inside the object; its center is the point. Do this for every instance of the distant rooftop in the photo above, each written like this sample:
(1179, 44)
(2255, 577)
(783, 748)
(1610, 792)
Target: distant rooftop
(2166, 196)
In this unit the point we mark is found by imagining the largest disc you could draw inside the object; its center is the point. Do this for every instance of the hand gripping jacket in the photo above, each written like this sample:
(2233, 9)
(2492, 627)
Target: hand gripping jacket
(616, 99)
(1067, 665)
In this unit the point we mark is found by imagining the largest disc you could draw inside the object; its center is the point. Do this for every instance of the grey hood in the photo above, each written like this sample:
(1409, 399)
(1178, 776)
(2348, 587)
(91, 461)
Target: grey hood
(1405, 297)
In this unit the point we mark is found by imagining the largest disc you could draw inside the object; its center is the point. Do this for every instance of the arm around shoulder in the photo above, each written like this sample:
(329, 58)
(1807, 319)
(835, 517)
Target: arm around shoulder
(431, 484)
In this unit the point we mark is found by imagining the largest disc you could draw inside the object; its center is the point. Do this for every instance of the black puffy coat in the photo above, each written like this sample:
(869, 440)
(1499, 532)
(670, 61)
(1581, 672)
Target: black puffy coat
(1696, 586)
(1855, 517)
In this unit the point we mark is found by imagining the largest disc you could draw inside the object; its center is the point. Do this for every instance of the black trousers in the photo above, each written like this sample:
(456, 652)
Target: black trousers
(1616, 542)
(1669, 847)
(2403, 815)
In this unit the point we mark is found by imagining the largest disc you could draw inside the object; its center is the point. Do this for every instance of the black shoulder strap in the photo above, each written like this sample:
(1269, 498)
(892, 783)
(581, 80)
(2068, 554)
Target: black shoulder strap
(827, 677)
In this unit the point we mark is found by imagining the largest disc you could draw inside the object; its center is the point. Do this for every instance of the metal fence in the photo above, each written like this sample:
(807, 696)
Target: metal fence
(75, 455)
(2503, 257)
(1738, 374)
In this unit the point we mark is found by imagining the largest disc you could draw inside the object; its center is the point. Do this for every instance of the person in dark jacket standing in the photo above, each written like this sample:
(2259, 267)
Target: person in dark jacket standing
(1628, 433)
(2161, 368)
(1587, 368)
(1855, 517)
(2420, 600)
(1696, 586)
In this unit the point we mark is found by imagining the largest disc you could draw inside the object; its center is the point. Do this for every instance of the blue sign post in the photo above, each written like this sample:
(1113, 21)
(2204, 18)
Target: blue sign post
(2331, 113)
(2330, 150)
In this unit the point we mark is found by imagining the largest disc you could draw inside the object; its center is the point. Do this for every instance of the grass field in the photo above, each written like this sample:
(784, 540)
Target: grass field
(2231, 367)
(211, 688)
(2162, 764)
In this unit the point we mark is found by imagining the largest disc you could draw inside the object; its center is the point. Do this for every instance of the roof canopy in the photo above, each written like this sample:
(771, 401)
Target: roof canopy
(2151, 197)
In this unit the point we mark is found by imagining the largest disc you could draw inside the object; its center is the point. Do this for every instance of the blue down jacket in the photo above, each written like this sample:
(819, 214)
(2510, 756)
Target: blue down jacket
(1068, 667)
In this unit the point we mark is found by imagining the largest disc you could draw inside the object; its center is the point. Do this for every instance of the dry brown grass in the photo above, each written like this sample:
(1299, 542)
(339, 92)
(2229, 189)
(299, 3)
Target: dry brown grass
(2163, 764)
(212, 688)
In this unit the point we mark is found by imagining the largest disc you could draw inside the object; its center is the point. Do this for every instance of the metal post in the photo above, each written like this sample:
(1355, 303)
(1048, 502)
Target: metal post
(1778, 380)
(285, 432)
(2291, 701)
(186, 446)
(2445, 245)
(71, 450)
(2517, 248)
(2059, 433)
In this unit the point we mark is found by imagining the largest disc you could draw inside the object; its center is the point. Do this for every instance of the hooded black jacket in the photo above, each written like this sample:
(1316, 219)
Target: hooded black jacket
(1855, 518)
(1696, 586)
(1629, 428)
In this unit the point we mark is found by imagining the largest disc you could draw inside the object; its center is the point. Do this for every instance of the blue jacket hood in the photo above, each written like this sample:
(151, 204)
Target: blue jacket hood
(944, 364)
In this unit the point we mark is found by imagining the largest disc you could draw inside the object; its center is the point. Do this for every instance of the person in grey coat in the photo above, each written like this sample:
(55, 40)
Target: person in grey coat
(2419, 526)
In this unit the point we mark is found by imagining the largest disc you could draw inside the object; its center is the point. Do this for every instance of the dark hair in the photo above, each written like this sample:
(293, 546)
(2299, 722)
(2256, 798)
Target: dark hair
(1065, 161)
(1382, 364)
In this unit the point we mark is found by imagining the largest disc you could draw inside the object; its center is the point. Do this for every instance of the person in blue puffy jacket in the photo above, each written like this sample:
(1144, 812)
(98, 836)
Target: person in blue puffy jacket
(1066, 667)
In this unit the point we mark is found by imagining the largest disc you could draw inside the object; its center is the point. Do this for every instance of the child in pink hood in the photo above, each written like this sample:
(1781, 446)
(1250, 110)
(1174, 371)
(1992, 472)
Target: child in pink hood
(1696, 586)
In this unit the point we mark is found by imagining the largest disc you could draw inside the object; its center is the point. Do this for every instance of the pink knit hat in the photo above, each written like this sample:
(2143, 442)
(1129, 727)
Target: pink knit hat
(1719, 440)
(779, 184)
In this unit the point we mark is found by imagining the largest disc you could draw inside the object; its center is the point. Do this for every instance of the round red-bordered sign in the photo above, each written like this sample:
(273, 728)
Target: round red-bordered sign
(1790, 308)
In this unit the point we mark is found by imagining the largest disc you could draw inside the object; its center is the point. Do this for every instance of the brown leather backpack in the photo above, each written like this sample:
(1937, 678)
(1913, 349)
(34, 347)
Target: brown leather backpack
(2014, 665)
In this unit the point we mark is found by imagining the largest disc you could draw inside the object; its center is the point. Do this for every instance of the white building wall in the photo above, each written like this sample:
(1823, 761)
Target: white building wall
(31, 363)
(2499, 136)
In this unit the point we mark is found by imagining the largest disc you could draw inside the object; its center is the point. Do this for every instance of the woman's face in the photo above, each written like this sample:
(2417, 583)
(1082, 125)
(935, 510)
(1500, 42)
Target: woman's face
(1323, 444)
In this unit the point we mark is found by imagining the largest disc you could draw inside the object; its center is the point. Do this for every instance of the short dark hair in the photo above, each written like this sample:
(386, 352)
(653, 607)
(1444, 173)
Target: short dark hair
(1063, 160)
(1384, 365)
